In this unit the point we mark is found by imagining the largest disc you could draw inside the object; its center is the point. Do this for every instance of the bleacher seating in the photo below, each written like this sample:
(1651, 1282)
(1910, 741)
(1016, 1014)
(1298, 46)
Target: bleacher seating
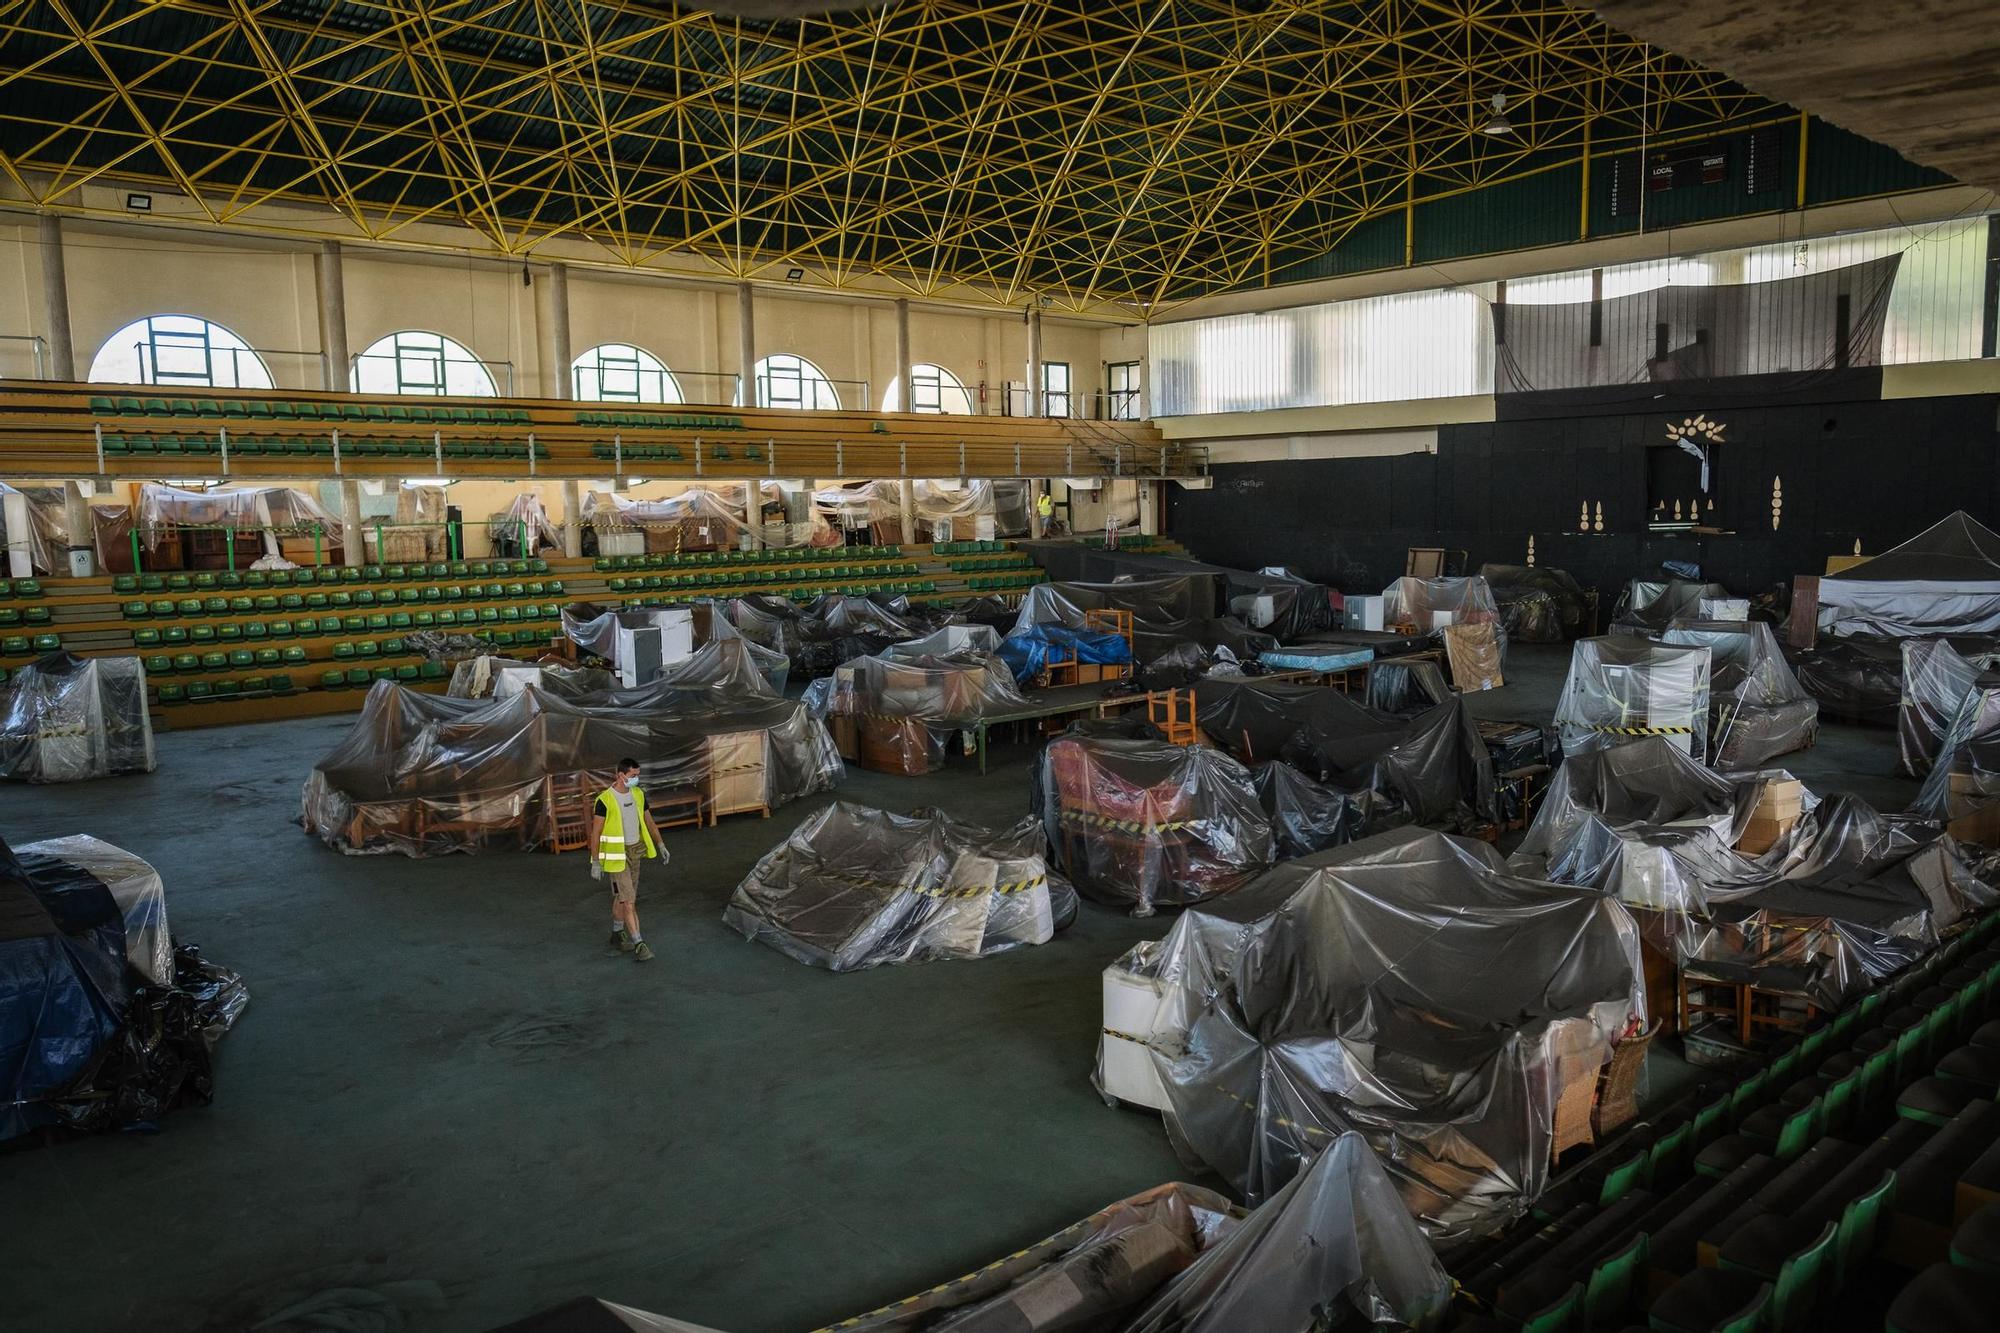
(1851, 1181)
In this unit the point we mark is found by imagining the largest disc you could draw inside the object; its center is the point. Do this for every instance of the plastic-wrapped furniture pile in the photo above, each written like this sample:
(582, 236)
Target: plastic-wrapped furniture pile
(1621, 686)
(104, 1023)
(1757, 708)
(1408, 987)
(854, 887)
(904, 705)
(422, 774)
(1138, 822)
(65, 718)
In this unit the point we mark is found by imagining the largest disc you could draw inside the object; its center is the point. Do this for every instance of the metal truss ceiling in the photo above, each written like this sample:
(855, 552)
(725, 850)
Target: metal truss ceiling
(1135, 152)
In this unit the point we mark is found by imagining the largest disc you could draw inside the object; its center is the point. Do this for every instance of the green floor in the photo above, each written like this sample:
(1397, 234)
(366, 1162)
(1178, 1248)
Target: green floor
(449, 1104)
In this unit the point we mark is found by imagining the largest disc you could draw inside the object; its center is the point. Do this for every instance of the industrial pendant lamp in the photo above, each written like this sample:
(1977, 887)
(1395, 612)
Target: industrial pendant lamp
(1499, 124)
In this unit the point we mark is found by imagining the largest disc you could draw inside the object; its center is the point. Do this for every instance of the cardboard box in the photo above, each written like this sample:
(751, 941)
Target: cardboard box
(1761, 834)
(1978, 823)
(1781, 799)
(1967, 792)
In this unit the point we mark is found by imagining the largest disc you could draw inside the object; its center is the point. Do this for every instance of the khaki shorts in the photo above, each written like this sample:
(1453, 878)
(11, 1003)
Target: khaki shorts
(625, 883)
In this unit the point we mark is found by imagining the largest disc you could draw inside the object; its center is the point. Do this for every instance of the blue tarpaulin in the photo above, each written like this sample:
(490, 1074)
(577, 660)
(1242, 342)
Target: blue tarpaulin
(1027, 652)
(62, 989)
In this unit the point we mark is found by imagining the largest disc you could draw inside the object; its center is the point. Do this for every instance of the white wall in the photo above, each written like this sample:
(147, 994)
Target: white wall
(266, 293)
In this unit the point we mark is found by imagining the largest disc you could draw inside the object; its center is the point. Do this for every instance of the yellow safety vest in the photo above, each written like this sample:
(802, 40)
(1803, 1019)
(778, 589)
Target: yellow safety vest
(1045, 506)
(611, 839)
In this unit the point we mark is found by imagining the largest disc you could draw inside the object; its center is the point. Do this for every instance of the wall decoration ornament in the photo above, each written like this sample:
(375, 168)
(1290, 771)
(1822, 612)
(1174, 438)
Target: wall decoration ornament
(1599, 525)
(1777, 501)
(1531, 550)
(1583, 518)
(1695, 434)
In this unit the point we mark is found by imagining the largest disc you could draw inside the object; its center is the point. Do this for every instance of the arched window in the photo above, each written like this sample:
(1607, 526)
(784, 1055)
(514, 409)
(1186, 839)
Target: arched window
(932, 389)
(622, 373)
(179, 349)
(416, 362)
(792, 381)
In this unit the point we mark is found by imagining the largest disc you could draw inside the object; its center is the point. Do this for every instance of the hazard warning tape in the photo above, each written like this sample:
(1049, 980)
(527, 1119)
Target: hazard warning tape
(1645, 731)
(1089, 820)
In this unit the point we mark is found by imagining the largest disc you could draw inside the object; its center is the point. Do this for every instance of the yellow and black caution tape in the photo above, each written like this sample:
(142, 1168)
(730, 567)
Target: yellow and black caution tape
(1645, 731)
(1089, 820)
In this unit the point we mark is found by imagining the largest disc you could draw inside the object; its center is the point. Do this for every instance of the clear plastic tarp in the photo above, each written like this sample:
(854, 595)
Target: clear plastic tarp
(1140, 823)
(134, 885)
(1429, 769)
(43, 536)
(1944, 580)
(104, 1022)
(525, 526)
(164, 508)
(855, 887)
(1029, 652)
(65, 718)
(1846, 896)
(1938, 681)
(1537, 605)
(947, 641)
(423, 774)
(1966, 771)
(1170, 616)
(1648, 606)
(1622, 687)
(905, 706)
(1757, 708)
(1432, 604)
(1408, 988)
(1859, 678)
(696, 518)
(819, 635)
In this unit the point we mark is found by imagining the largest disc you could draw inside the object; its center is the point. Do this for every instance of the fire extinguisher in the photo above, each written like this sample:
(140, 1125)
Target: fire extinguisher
(982, 397)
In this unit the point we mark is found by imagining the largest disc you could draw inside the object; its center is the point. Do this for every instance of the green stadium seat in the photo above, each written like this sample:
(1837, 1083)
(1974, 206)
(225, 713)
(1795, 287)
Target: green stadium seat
(293, 656)
(281, 684)
(305, 627)
(173, 694)
(242, 657)
(269, 657)
(359, 676)
(256, 629)
(332, 680)
(145, 638)
(229, 631)
(367, 648)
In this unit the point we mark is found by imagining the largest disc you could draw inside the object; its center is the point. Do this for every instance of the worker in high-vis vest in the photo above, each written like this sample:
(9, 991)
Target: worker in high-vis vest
(623, 834)
(1045, 510)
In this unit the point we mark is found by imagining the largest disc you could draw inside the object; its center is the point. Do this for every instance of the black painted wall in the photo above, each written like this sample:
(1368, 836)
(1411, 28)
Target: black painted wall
(1851, 465)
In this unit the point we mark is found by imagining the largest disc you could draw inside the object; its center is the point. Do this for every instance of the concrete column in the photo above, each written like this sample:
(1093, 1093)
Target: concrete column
(76, 522)
(1149, 507)
(746, 343)
(556, 340)
(1036, 407)
(572, 518)
(351, 543)
(55, 299)
(905, 397)
(908, 489)
(336, 374)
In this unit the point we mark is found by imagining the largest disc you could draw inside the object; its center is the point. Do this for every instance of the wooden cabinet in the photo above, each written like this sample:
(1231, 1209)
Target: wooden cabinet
(737, 765)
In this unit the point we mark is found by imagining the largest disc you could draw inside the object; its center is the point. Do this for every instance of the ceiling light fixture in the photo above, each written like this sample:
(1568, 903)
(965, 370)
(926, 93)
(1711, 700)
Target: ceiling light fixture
(1499, 124)
(795, 275)
(139, 203)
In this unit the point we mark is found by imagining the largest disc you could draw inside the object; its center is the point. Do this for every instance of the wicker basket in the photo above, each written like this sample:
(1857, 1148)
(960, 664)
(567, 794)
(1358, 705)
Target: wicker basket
(1618, 1085)
(1572, 1125)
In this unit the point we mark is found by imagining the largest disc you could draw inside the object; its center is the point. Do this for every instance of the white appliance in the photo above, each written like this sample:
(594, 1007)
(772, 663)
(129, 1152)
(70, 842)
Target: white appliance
(1124, 1057)
(646, 649)
(1254, 609)
(1724, 608)
(1364, 612)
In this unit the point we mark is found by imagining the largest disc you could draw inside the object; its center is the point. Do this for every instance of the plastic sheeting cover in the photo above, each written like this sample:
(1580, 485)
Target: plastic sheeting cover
(1537, 604)
(1169, 615)
(1433, 766)
(1431, 604)
(1937, 682)
(1141, 823)
(952, 691)
(1858, 677)
(66, 719)
(1028, 652)
(1409, 988)
(1622, 687)
(134, 885)
(1648, 606)
(855, 887)
(1944, 580)
(421, 773)
(1757, 708)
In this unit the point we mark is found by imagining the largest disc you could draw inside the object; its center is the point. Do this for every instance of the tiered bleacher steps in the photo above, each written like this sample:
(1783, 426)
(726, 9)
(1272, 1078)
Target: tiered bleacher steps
(301, 642)
(1805, 1194)
(64, 430)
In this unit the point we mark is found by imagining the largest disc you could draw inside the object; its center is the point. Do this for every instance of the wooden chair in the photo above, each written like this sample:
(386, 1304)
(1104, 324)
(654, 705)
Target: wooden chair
(1572, 1118)
(1618, 1082)
(566, 801)
(1173, 712)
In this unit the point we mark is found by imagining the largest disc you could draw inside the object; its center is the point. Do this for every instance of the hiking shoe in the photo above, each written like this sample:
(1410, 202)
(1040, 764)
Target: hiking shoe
(621, 941)
(642, 953)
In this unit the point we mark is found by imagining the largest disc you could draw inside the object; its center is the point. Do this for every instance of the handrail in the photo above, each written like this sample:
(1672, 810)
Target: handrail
(37, 344)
